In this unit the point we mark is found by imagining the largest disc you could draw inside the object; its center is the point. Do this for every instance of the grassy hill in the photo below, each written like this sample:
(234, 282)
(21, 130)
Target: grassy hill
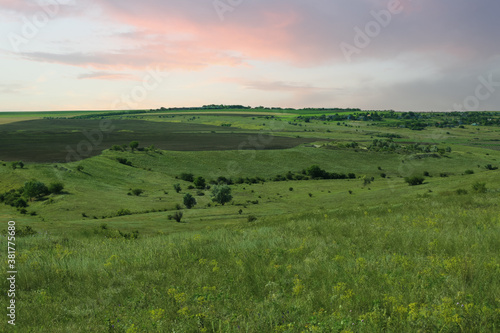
(362, 254)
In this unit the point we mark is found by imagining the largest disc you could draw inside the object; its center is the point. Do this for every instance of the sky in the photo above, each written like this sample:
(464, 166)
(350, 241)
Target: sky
(406, 55)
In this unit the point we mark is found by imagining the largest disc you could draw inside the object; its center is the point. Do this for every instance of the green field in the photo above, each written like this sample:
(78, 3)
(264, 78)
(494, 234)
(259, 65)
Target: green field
(290, 252)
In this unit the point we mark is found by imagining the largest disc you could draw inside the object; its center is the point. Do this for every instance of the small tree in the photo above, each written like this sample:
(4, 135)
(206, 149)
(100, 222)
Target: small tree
(200, 183)
(177, 188)
(221, 194)
(189, 201)
(56, 188)
(415, 180)
(177, 216)
(137, 192)
(20, 164)
(79, 168)
(133, 145)
(35, 189)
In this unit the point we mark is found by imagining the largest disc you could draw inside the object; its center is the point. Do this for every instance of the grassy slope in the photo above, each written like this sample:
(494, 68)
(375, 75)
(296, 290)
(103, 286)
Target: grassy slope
(389, 257)
(429, 265)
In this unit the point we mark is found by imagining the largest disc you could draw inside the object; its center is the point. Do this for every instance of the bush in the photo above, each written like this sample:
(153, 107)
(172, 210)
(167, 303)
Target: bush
(133, 145)
(137, 192)
(188, 177)
(189, 201)
(383, 175)
(123, 161)
(199, 182)
(56, 188)
(177, 216)
(123, 212)
(35, 189)
(290, 189)
(177, 188)
(427, 174)
(469, 172)
(116, 148)
(415, 180)
(251, 218)
(221, 194)
(461, 191)
(479, 187)
(490, 167)
(79, 168)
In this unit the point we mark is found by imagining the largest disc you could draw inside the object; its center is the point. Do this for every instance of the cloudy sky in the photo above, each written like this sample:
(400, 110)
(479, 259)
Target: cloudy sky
(372, 54)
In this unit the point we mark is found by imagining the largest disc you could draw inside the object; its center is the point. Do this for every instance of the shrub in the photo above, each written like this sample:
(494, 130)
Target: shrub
(443, 174)
(188, 177)
(290, 189)
(191, 187)
(415, 180)
(479, 187)
(251, 218)
(383, 175)
(189, 201)
(56, 188)
(137, 192)
(79, 168)
(123, 212)
(469, 172)
(35, 189)
(116, 148)
(461, 191)
(177, 216)
(427, 174)
(133, 145)
(177, 188)
(123, 161)
(199, 182)
(221, 194)
(490, 167)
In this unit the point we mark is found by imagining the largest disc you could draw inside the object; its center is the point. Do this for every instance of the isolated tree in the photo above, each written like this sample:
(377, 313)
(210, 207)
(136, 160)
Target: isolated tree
(133, 145)
(56, 188)
(221, 194)
(177, 188)
(35, 189)
(189, 201)
(415, 180)
(199, 182)
(137, 192)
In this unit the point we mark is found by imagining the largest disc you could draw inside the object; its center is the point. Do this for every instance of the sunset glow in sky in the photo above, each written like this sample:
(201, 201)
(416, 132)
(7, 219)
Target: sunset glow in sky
(372, 54)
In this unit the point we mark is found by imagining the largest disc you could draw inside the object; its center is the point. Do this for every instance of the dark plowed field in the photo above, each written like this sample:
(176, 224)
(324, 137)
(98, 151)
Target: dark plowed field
(60, 140)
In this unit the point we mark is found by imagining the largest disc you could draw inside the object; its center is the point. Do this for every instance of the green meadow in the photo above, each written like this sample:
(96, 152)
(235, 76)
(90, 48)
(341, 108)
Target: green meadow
(346, 246)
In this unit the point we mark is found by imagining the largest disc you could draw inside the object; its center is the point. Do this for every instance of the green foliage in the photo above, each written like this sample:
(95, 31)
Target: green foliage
(469, 172)
(117, 148)
(415, 180)
(490, 167)
(56, 188)
(123, 212)
(188, 177)
(479, 187)
(177, 188)
(79, 168)
(251, 218)
(34, 189)
(199, 182)
(124, 161)
(177, 216)
(15, 165)
(221, 194)
(137, 191)
(189, 201)
(134, 145)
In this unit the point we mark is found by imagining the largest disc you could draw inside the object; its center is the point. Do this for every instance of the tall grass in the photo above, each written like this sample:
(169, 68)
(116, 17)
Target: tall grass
(428, 266)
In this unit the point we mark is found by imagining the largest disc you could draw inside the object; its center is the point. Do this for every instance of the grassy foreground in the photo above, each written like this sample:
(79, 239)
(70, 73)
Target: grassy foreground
(431, 265)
